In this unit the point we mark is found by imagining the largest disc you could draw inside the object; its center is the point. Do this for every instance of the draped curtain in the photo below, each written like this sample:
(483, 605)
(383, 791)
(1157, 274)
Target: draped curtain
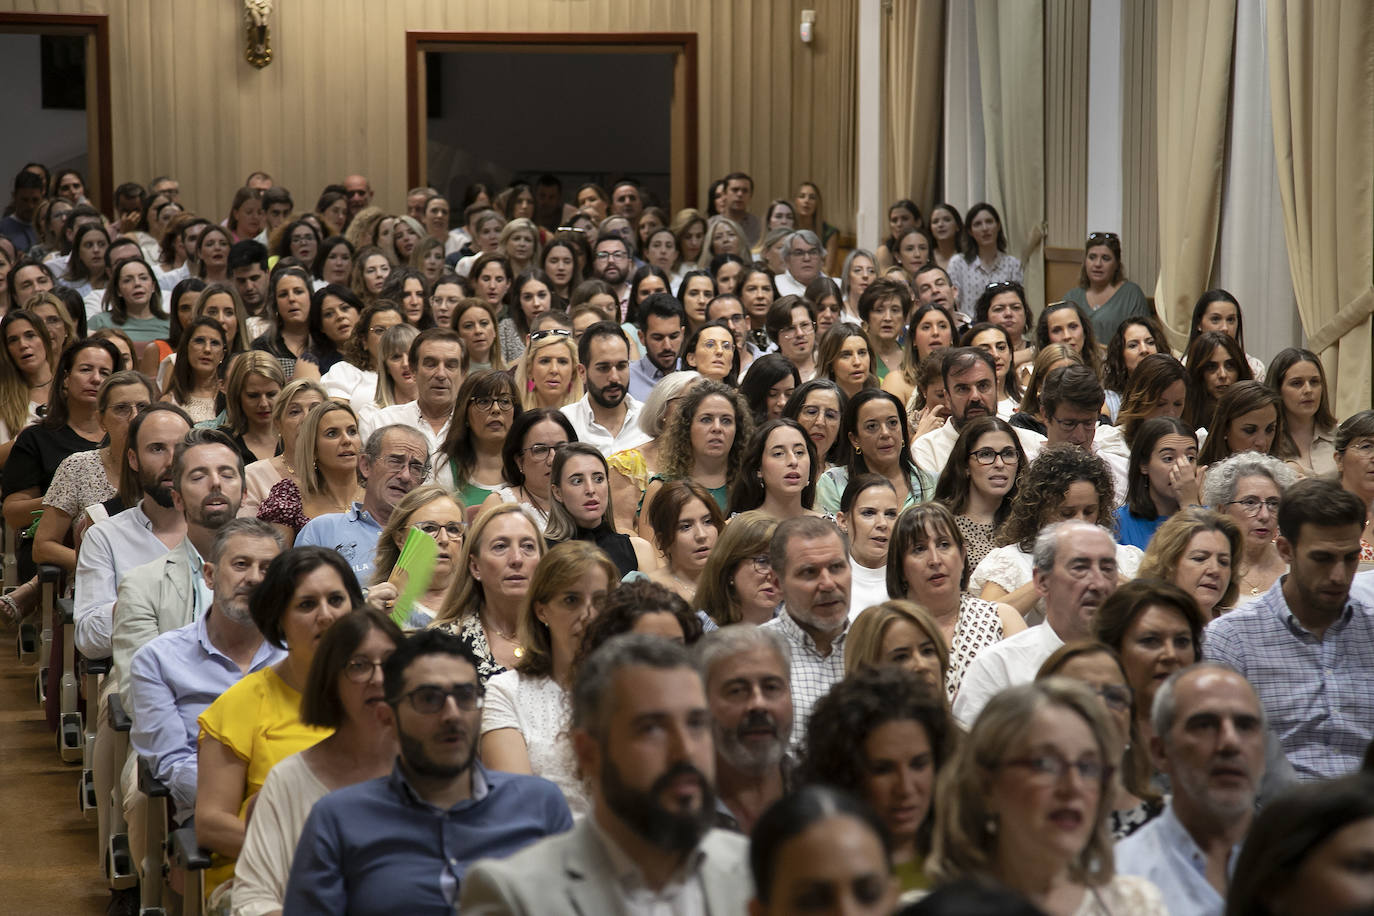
(1321, 84)
(913, 57)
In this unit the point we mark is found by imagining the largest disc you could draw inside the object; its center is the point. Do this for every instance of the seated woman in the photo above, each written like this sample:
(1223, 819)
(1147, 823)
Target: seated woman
(633, 468)
(132, 303)
(250, 391)
(1217, 310)
(874, 427)
(475, 321)
(406, 287)
(711, 351)
(1021, 746)
(930, 328)
(1157, 388)
(26, 371)
(1062, 483)
(737, 584)
(914, 245)
(884, 734)
(526, 717)
(288, 412)
(527, 458)
(469, 461)
(531, 295)
(995, 340)
(1064, 322)
(769, 383)
(498, 558)
(686, 523)
(867, 514)
(334, 313)
(431, 509)
(1247, 489)
(1308, 434)
(1004, 304)
(1135, 339)
(777, 473)
(818, 405)
(881, 313)
(1135, 801)
(927, 564)
(354, 378)
(901, 216)
(1165, 476)
(1030, 414)
(1215, 362)
(844, 356)
(371, 267)
(196, 385)
(1199, 551)
(580, 508)
(1103, 292)
(342, 688)
(334, 260)
(326, 478)
(181, 308)
(395, 382)
(704, 442)
(547, 370)
(257, 723)
(980, 485)
(1248, 418)
(899, 633)
(1355, 465)
(642, 607)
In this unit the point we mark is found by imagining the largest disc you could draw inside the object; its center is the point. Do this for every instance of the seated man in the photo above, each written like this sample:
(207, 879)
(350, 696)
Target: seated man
(970, 377)
(1072, 400)
(436, 358)
(404, 843)
(394, 461)
(641, 733)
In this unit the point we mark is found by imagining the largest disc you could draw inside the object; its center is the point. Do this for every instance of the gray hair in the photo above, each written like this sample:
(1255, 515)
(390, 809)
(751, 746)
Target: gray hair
(242, 527)
(1165, 708)
(591, 693)
(807, 236)
(653, 416)
(1047, 543)
(1224, 477)
(735, 639)
(849, 262)
(373, 449)
(808, 527)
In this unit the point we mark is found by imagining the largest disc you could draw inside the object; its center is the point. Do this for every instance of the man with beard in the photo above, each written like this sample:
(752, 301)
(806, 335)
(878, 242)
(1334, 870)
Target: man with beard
(248, 267)
(810, 557)
(1075, 572)
(748, 687)
(970, 377)
(662, 324)
(404, 843)
(607, 415)
(612, 262)
(175, 677)
(641, 731)
(1209, 740)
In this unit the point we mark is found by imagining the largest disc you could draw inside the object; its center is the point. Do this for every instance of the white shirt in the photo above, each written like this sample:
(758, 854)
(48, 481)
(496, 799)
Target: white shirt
(932, 450)
(579, 414)
(1166, 853)
(347, 382)
(1015, 660)
(789, 285)
(406, 415)
(867, 587)
(682, 895)
(109, 550)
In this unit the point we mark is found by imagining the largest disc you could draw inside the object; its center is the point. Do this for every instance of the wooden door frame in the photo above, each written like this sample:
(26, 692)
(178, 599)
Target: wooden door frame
(99, 143)
(684, 117)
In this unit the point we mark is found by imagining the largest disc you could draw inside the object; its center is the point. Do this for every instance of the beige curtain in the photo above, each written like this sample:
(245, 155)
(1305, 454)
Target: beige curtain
(1194, 40)
(1012, 72)
(913, 57)
(824, 100)
(1321, 86)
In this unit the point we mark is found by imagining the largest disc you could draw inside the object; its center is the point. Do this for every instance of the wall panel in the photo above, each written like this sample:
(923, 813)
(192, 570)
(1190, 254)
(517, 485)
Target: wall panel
(1140, 164)
(332, 101)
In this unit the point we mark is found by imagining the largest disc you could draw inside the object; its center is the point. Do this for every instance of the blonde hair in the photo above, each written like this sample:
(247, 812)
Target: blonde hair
(564, 566)
(395, 339)
(467, 598)
(250, 362)
(308, 474)
(388, 552)
(525, 383)
(1171, 539)
(1041, 367)
(863, 646)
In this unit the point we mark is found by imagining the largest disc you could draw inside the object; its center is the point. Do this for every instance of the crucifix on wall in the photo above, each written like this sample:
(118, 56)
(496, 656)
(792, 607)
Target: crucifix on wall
(258, 37)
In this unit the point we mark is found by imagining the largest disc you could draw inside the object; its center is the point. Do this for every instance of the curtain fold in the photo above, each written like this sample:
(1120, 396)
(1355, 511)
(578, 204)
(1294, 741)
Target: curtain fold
(913, 58)
(1011, 41)
(1321, 86)
(1194, 43)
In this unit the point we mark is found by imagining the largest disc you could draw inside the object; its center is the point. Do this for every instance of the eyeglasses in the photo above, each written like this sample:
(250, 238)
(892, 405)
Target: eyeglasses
(549, 332)
(125, 411)
(427, 699)
(570, 229)
(612, 256)
(734, 319)
(804, 327)
(359, 668)
(723, 346)
(1052, 767)
(454, 530)
(396, 463)
(1103, 237)
(762, 565)
(1251, 505)
(805, 253)
(811, 412)
(986, 456)
(1068, 426)
(539, 452)
(1364, 448)
(502, 404)
(1116, 696)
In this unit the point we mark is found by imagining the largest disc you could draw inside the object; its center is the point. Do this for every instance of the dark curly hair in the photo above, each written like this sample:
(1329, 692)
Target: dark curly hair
(677, 440)
(853, 709)
(1114, 374)
(626, 603)
(748, 492)
(1044, 487)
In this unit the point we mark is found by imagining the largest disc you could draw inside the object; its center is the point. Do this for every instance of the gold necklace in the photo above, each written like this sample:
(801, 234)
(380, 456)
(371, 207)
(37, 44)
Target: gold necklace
(518, 651)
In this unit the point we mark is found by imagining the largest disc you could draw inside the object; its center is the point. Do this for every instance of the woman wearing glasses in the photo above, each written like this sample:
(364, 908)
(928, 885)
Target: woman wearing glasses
(1355, 464)
(818, 405)
(527, 457)
(432, 510)
(341, 690)
(737, 585)
(1247, 488)
(1103, 292)
(470, 458)
(979, 490)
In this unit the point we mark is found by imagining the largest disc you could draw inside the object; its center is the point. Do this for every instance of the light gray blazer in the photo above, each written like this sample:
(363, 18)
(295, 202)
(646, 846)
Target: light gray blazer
(153, 598)
(570, 873)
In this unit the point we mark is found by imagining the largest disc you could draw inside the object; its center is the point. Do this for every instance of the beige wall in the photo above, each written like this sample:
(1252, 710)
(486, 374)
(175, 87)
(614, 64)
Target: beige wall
(333, 100)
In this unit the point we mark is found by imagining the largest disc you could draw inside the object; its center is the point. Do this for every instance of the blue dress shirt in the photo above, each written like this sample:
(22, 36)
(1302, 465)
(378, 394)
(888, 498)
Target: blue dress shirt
(644, 375)
(353, 534)
(378, 848)
(1164, 852)
(172, 680)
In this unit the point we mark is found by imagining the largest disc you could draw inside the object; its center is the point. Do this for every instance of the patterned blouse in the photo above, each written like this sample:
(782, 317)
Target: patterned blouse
(977, 539)
(283, 505)
(78, 482)
(979, 626)
(468, 629)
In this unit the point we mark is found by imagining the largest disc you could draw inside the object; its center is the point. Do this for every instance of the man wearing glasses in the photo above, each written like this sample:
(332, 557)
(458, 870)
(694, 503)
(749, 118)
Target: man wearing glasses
(803, 254)
(394, 461)
(412, 836)
(1072, 399)
(611, 262)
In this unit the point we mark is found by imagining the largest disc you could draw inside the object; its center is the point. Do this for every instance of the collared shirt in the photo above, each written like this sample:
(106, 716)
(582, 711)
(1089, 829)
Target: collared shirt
(110, 549)
(172, 680)
(644, 375)
(579, 414)
(407, 415)
(1318, 694)
(972, 279)
(789, 285)
(1165, 852)
(1014, 660)
(365, 844)
(353, 534)
(682, 895)
(202, 594)
(932, 450)
(813, 674)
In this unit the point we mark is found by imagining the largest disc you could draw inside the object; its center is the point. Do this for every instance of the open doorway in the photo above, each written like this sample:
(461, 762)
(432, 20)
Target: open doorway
(56, 70)
(495, 108)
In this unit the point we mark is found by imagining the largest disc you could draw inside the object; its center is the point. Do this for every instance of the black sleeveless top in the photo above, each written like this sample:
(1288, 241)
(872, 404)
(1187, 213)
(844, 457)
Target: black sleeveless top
(616, 545)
